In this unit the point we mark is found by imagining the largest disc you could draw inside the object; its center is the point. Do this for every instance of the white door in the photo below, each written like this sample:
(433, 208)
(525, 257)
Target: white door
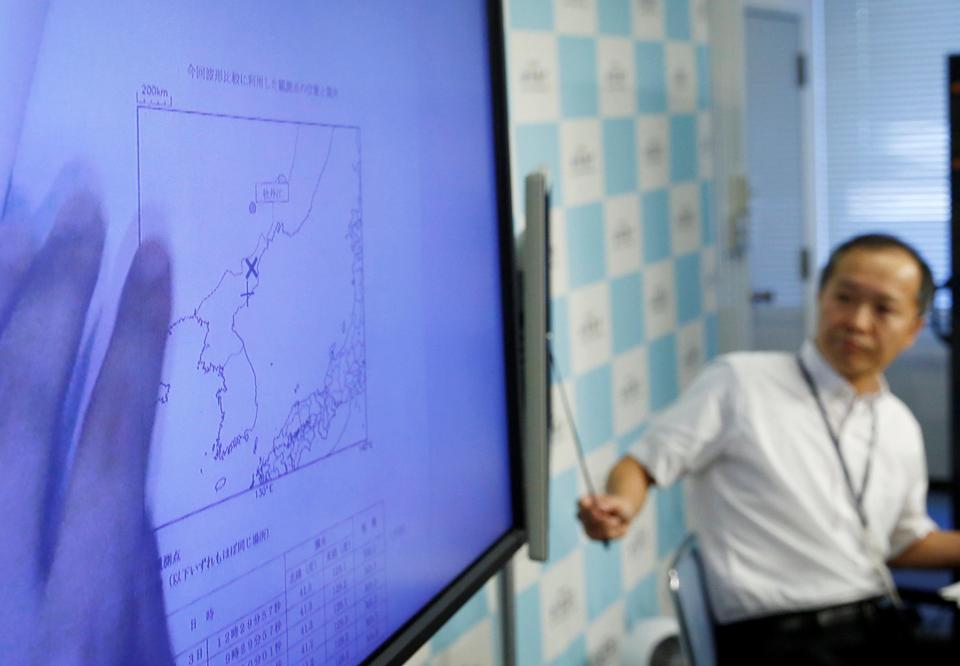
(779, 264)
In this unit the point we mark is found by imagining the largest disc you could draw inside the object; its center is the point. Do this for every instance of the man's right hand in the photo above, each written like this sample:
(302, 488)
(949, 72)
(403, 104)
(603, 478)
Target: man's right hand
(605, 517)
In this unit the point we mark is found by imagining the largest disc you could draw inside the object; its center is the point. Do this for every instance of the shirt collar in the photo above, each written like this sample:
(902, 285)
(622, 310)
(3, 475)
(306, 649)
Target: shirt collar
(829, 382)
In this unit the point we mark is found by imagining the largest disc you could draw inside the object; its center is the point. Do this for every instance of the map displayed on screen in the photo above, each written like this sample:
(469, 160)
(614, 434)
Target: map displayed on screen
(330, 448)
(284, 227)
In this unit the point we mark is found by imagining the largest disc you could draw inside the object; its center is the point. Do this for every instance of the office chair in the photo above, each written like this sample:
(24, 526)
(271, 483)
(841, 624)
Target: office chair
(689, 593)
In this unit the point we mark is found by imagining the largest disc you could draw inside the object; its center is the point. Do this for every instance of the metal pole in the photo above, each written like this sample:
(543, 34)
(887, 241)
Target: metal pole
(508, 614)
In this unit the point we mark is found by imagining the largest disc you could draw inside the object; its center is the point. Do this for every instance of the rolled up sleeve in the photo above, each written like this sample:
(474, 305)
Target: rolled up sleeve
(687, 436)
(914, 523)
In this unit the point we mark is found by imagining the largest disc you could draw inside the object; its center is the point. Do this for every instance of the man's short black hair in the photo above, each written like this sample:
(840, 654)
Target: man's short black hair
(883, 242)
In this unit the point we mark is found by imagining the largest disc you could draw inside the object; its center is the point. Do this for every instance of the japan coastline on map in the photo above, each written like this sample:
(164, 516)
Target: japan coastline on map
(265, 371)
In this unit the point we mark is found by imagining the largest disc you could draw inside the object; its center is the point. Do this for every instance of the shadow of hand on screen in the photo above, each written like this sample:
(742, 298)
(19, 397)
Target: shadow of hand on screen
(86, 589)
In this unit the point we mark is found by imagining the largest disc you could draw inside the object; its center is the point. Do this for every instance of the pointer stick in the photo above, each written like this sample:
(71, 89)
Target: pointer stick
(591, 491)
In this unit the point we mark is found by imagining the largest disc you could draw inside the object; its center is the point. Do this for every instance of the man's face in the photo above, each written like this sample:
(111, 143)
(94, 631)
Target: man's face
(868, 313)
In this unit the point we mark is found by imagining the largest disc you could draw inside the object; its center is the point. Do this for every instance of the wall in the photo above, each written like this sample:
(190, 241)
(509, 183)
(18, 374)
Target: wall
(614, 98)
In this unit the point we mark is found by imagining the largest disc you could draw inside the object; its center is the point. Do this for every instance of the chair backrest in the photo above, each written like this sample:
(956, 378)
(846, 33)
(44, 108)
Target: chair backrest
(689, 593)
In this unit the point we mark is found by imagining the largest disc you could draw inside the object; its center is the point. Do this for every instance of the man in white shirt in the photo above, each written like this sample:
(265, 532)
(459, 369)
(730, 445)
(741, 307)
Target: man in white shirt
(805, 474)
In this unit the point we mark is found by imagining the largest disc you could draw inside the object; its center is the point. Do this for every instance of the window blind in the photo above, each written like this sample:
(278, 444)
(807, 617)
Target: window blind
(886, 121)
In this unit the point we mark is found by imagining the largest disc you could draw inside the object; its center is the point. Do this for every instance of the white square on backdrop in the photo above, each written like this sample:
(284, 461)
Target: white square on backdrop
(616, 76)
(526, 572)
(534, 89)
(648, 21)
(681, 77)
(563, 609)
(660, 301)
(621, 220)
(631, 390)
(604, 636)
(653, 152)
(685, 224)
(705, 145)
(590, 334)
(708, 274)
(699, 21)
(690, 352)
(577, 17)
(474, 648)
(581, 157)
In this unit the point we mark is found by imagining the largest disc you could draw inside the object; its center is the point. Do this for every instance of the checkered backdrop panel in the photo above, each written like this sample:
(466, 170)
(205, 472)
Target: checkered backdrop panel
(612, 98)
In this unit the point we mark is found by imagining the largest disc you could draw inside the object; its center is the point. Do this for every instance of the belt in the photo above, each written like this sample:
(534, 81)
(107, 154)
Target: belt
(864, 612)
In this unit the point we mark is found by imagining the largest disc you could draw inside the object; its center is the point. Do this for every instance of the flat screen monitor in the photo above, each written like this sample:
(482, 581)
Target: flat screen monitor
(333, 465)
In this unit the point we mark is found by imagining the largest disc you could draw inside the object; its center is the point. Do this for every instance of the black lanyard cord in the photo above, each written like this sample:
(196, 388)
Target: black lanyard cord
(857, 497)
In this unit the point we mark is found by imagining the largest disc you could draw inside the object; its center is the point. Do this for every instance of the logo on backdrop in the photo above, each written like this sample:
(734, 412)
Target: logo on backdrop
(591, 329)
(681, 78)
(648, 7)
(563, 604)
(535, 77)
(705, 148)
(623, 235)
(709, 278)
(685, 218)
(632, 391)
(607, 654)
(661, 299)
(616, 77)
(654, 150)
(584, 161)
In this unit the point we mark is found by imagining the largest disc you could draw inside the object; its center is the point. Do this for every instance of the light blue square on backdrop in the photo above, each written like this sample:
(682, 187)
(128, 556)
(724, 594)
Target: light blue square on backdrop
(466, 618)
(656, 226)
(578, 76)
(564, 529)
(677, 18)
(703, 78)
(538, 145)
(531, 14)
(651, 77)
(662, 362)
(603, 577)
(619, 156)
(683, 147)
(626, 304)
(706, 213)
(560, 334)
(710, 333)
(671, 519)
(529, 649)
(642, 601)
(614, 17)
(594, 409)
(575, 655)
(586, 244)
(689, 288)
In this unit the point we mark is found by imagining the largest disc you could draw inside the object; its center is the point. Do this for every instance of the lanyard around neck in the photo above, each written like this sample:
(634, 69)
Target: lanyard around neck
(857, 497)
